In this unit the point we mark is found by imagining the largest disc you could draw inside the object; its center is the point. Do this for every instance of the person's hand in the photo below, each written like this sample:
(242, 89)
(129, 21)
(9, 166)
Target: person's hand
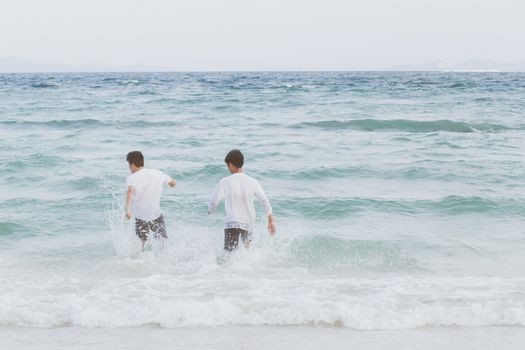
(128, 214)
(271, 227)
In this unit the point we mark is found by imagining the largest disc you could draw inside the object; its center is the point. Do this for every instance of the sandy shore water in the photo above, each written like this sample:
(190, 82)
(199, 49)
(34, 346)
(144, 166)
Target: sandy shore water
(260, 338)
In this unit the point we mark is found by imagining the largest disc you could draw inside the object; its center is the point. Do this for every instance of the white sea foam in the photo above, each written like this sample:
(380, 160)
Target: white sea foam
(228, 297)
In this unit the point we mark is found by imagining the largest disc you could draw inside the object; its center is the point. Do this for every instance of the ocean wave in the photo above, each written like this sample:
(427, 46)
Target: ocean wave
(345, 172)
(147, 124)
(338, 208)
(36, 160)
(320, 173)
(46, 85)
(202, 173)
(171, 302)
(57, 123)
(456, 205)
(483, 99)
(127, 82)
(9, 228)
(90, 123)
(164, 100)
(460, 85)
(146, 93)
(403, 125)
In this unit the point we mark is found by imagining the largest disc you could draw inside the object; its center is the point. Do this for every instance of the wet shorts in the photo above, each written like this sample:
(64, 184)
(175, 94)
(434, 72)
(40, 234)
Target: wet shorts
(157, 226)
(231, 238)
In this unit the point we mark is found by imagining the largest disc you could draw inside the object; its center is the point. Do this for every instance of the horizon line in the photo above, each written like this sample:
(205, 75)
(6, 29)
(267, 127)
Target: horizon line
(274, 71)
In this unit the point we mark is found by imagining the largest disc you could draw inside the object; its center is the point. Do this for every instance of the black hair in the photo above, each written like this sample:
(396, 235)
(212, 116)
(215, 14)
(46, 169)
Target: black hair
(235, 157)
(135, 157)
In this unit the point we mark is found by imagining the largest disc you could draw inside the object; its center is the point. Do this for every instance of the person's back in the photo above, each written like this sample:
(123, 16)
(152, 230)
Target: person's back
(146, 185)
(239, 191)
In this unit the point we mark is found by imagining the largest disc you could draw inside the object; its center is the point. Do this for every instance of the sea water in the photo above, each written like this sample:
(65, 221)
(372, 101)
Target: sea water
(398, 197)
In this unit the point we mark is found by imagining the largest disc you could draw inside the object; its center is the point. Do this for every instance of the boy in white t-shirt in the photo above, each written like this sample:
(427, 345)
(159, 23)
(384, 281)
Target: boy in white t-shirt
(146, 185)
(239, 191)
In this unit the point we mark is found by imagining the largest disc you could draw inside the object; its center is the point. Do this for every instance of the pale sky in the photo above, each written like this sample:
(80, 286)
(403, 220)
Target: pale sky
(262, 35)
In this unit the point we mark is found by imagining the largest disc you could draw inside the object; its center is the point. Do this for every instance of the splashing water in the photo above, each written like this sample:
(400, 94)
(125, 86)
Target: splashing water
(398, 198)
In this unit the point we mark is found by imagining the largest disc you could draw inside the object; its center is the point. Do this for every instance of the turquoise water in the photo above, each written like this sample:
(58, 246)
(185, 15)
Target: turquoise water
(398, 197)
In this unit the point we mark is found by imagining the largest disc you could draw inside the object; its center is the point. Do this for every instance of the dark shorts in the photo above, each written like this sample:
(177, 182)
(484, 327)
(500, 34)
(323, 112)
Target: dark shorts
(231, 238)
(157, 226)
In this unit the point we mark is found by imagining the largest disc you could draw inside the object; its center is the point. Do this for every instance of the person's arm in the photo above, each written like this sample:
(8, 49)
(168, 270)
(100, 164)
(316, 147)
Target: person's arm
(271, 225)
(167, 179)
(216, 198)
(129, 198)
(265, 202)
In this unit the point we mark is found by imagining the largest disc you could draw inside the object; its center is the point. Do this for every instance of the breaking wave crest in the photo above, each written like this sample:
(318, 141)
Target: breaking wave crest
(414, 126)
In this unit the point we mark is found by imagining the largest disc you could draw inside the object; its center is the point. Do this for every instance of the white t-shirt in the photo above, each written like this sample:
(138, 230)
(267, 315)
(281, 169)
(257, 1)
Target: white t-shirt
(147, 186)
(239, 191)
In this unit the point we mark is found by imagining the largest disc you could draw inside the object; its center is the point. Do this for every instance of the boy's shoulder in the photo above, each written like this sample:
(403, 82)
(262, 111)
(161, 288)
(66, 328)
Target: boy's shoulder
(149, 171)
(153, 171)
(145, 172)
(238, 177)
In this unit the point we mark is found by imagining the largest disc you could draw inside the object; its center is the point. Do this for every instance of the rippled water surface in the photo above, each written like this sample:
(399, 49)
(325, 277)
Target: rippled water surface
(399, 199)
